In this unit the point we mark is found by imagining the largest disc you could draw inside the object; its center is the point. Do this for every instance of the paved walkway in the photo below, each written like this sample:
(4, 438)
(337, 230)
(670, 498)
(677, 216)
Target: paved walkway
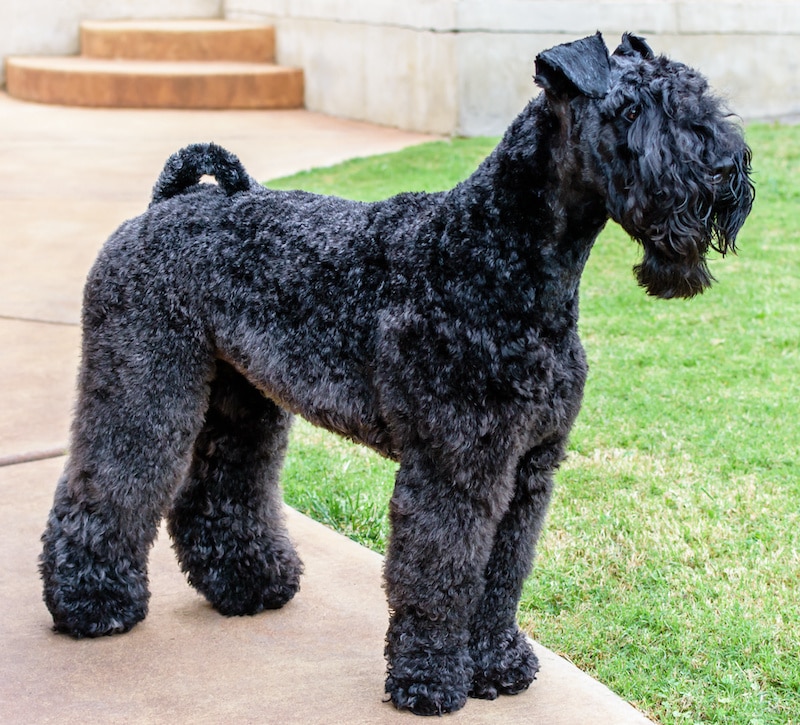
(68, 177)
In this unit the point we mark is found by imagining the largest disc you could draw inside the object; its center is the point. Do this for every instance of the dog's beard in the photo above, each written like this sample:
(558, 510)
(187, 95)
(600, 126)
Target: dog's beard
(674, 262)
(668, 278)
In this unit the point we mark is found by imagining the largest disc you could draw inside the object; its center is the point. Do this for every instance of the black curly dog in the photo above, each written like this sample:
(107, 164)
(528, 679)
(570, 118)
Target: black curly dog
(438, 329)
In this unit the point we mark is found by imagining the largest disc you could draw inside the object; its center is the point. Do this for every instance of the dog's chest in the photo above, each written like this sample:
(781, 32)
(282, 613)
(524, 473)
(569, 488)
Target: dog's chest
(486, 382)
(544, 381)
(553, 390)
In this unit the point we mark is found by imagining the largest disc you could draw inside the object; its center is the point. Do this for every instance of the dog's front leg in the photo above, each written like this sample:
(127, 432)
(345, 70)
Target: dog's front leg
(442, 534)
(503, 658)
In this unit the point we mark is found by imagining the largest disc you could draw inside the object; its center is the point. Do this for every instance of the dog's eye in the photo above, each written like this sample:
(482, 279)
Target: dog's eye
(632, 113)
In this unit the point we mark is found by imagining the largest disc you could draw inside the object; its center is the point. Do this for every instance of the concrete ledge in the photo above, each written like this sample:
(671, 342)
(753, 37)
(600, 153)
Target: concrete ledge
(464, 66)
(542, 16)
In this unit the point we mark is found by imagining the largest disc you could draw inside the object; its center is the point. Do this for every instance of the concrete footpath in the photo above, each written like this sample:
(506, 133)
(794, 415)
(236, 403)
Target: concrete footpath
(68, 177)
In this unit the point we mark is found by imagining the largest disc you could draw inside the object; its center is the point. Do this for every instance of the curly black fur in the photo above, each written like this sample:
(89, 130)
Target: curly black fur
(226, 530)
(438, 329)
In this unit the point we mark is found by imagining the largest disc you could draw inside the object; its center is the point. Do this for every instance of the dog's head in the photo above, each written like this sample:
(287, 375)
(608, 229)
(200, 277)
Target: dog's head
(671, 163)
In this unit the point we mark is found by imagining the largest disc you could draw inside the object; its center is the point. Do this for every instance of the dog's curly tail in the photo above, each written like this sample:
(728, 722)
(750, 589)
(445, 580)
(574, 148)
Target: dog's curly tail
(184, 169)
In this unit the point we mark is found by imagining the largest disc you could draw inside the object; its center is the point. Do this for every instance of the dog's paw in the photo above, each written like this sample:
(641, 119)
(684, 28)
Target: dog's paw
(94, 601)
(244, 580)
(97, 619)
(89, 593)
(265, 588)
(505, 664)
(429, 668)
(426, 694)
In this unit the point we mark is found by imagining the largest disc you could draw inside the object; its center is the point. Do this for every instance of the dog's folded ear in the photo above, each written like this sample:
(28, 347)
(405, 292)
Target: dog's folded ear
(580, 67)
(633, 45)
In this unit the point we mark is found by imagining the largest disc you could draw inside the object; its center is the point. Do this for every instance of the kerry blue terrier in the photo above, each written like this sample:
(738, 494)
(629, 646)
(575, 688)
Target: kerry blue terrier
(438, 329)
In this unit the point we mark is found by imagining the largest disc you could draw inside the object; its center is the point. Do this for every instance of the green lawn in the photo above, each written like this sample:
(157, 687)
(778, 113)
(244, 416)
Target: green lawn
(670, 565)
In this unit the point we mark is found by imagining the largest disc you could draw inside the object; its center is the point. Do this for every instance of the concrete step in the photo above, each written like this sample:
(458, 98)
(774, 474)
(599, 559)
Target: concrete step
(211, 64)
(178, 40)
(79, 81)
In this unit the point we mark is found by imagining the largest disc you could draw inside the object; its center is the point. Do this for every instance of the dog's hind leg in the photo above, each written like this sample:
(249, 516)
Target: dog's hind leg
(226, 522)
(504, 660)
(141, 400)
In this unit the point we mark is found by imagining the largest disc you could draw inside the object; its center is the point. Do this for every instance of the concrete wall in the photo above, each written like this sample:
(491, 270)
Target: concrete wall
(461, 66)
(465, 66)
(50, 27)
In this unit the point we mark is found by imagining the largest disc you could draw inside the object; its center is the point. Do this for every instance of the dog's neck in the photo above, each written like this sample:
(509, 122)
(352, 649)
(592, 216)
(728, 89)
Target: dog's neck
(529, 200)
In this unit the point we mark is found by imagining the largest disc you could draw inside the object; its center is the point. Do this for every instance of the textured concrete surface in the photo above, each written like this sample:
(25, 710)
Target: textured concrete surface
(68, 177)
(52, 27)
(317, 660)
(178, 40)
(80, 81)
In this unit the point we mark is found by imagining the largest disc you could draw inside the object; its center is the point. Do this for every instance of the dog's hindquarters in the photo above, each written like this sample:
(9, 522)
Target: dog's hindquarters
(156, 410)
(142, 396)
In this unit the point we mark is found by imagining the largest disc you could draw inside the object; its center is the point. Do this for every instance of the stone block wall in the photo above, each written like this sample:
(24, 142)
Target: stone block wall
(465, 66)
